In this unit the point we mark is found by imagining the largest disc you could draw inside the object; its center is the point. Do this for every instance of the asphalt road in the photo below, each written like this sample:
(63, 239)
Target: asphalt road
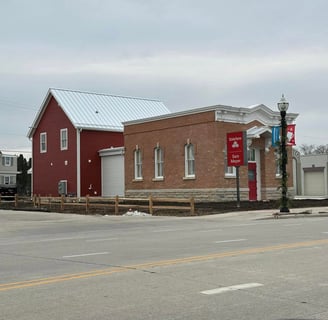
(230, 266)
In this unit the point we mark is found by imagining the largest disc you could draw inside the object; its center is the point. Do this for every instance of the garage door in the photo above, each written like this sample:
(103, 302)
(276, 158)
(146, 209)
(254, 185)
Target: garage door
(314, 183)
(112, 175)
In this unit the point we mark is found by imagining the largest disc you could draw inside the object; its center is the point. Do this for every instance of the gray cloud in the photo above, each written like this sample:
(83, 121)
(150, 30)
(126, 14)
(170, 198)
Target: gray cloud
(186, 53)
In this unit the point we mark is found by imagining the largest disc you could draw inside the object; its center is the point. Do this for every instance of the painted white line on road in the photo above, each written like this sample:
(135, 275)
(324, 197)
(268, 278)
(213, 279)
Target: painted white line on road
(86, 254)
(167, 230)
(249, 224)
(98, 240)
(245, 224)
(210, 230)
(232, 240)
(40, 240)
(292, 224)
(232, 288)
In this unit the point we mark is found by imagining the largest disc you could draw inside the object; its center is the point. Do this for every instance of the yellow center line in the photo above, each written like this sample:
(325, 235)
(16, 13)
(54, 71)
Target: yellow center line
(112, 270)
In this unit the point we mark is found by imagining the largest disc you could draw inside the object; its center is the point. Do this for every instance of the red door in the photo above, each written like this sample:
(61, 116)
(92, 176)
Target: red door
(252, 181)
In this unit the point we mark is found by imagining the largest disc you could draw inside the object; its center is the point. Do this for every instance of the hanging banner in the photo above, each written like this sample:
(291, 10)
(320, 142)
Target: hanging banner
(275, 136)
(237, 149)
(290, 135)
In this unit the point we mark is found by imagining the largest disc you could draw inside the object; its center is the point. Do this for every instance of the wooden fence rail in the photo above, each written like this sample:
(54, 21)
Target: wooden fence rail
(115, 203)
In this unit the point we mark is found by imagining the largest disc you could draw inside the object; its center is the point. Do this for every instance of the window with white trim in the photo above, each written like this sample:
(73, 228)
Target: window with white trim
(159, 163)
(63, 139)
(7, 161)
(189, 160)
(137, 164)
(43, 142)
(251, 155)
(278, 164)
(8, 179)
(229, 171)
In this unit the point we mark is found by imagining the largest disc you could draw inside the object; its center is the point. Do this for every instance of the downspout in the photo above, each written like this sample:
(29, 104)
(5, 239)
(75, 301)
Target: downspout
(78, 162)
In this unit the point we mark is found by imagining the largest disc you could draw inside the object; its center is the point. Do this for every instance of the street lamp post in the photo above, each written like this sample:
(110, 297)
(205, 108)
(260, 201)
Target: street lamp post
(283, 107)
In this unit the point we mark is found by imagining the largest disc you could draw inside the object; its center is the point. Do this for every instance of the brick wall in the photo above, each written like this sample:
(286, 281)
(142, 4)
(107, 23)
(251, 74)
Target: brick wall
(209, 138)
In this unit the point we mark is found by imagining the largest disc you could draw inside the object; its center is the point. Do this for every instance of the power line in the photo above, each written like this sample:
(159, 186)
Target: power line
(14, 104)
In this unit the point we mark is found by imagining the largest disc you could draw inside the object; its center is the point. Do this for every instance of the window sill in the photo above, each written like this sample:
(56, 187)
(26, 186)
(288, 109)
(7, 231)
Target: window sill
(229, 176)
(189, 178)
(138, 180)
(158, 179)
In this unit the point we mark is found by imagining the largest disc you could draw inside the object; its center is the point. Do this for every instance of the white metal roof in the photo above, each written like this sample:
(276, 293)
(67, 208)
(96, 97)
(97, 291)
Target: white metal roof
(100, 111)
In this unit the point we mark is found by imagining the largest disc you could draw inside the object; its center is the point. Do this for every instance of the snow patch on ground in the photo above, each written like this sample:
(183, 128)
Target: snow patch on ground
(136, 213)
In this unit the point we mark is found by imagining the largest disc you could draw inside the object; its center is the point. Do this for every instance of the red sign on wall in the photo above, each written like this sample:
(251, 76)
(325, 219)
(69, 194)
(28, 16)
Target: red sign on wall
(236, 149)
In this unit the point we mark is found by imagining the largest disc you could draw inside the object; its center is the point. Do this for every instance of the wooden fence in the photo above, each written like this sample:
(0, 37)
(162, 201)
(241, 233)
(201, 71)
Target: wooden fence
(115, 204)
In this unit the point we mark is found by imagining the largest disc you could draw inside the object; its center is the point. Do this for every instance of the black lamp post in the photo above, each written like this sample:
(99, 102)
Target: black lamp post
(283, 107)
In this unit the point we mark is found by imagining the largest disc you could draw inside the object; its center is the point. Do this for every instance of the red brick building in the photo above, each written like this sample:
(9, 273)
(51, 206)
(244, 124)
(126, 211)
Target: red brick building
(184, 154)
(70, 129)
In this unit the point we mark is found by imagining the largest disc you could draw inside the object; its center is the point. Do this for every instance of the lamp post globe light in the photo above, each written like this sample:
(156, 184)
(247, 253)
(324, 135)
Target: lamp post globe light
(283, 107)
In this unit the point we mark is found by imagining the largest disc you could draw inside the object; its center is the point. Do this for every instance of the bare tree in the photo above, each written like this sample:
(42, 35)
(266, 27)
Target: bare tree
(306, 149)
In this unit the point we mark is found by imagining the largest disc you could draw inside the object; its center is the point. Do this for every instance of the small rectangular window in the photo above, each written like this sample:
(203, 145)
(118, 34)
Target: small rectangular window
(43, 142)
(63, 139)
(7, 161)
(9, 180)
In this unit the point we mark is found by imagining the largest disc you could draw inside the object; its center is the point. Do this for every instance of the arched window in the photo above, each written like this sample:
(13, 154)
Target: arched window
(159, 163)
(137, 164)
(189, 160)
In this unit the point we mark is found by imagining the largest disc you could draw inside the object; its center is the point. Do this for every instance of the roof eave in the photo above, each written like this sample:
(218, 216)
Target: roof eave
(39, 115)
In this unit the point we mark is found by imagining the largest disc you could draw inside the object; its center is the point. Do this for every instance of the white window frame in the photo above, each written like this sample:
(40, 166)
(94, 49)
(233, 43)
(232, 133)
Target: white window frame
(137, 164)
(159, 163)
(189, 161)
(43, 142)
(229, 171)
(251, 157)
(278, 164)
(64, 139)
(9, 179)
(7, 161)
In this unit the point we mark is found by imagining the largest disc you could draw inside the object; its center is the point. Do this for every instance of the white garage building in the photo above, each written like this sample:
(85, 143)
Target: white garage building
(314, 175)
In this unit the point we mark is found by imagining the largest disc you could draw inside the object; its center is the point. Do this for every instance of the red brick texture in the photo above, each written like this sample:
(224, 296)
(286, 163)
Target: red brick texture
(209, 138)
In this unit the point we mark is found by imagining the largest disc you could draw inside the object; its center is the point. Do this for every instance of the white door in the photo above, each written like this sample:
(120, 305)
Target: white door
(113, 175)
(314, 183)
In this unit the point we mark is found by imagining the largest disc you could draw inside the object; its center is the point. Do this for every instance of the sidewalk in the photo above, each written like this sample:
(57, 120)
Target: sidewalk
(294, 213)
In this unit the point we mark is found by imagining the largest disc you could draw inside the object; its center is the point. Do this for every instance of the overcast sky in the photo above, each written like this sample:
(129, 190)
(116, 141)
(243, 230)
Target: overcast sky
(186, 53)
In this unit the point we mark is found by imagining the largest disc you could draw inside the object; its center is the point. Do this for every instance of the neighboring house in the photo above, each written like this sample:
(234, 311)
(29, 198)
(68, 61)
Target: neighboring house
(68, 132)
(314, 175)
(184, 154)
(8, 174)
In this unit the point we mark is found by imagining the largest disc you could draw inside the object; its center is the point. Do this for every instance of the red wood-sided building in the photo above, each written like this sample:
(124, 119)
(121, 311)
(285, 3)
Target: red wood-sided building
(70, 129)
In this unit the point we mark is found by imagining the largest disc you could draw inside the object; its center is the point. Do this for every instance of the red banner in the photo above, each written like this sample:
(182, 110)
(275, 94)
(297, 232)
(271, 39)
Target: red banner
(290, 135)
(236, 149)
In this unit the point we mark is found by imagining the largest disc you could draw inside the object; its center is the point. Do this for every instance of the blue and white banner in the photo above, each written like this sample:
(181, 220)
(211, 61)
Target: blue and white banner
(275, 136)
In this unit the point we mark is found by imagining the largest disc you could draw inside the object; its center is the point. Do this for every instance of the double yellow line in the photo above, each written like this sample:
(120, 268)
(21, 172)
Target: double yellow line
(112, 270)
